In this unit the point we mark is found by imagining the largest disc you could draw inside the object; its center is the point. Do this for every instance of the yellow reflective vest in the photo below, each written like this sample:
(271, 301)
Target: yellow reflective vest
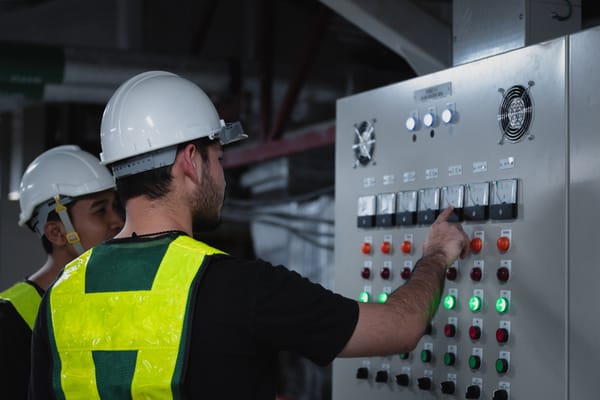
(25, 299)
(135, 334)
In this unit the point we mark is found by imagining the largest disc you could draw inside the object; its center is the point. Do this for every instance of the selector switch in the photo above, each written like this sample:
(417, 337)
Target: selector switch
(402, 379)
(362, 373)
(473, 392)
(381, 376)
(424, 383)
(500, 394)
(447, 387)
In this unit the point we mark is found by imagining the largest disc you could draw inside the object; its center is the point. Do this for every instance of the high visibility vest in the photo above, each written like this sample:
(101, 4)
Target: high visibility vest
(137, 333)
(25, 299)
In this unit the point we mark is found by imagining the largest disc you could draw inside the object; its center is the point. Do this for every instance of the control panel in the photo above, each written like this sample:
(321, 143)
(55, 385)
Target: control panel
(494, 139)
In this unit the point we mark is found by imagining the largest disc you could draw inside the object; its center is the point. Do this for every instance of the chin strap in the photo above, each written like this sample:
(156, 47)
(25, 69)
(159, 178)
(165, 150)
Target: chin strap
(72, 236)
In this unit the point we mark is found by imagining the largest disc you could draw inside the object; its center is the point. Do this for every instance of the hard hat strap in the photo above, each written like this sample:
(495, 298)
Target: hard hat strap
(72, 236)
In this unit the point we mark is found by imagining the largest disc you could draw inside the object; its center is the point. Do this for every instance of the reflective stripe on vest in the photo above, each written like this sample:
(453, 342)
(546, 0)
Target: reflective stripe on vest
(149, 323)
(25, 299)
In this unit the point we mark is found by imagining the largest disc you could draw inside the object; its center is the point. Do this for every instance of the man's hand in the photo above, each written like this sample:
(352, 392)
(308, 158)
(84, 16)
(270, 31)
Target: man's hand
(446, 238)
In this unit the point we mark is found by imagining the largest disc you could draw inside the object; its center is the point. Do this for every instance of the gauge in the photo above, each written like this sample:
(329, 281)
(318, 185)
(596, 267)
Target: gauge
(453, 196)
(364, 143)
(429, 205)
(476, 201)
(366, 211)
(503, 199)
(386, 209)
(406, 210)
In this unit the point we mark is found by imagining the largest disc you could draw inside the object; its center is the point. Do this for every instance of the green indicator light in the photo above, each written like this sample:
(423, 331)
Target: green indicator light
(502, 305)
(404, 356)
(449, 359)
(475, 303)
(449, 302)
(364, 297)
(383, 297)
(501, 365)
(474, 362)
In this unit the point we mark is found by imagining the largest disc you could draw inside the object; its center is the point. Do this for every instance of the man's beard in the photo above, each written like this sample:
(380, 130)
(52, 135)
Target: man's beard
(206, 206)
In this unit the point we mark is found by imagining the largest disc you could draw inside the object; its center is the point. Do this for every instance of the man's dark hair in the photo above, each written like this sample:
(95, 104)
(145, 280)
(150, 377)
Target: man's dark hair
(156, 182)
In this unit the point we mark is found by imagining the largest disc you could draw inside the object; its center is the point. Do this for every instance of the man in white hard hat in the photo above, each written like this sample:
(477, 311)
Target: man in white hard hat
(155, 313)
(66, 198)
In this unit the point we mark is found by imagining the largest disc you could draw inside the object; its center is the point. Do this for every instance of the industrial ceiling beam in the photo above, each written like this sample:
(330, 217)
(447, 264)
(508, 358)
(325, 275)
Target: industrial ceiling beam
(422, 40)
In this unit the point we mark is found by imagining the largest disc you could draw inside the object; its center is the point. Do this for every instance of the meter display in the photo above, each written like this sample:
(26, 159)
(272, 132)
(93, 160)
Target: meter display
(503, 199)
(386, 209)
(453, 196)
(477, 201)
(406, 210)
(366, 211)
(429, 205)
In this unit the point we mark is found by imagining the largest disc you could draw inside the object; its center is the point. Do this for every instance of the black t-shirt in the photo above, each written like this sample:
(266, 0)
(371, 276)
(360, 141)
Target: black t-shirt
(15, 358)
(244, 314)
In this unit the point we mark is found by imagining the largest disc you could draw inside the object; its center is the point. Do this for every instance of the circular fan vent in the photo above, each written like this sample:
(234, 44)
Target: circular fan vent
(516, 113)
(364, 142)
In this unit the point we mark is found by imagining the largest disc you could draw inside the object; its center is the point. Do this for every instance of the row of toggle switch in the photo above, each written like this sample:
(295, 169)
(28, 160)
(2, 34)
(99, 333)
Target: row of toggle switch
(425, 383)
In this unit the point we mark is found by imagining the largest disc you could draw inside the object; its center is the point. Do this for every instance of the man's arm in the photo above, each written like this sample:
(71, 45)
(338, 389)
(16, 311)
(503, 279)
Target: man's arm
(397, 325)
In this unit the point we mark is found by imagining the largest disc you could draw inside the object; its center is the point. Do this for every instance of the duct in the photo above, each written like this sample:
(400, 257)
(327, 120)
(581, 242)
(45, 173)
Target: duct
(402, 26)
(487, 28)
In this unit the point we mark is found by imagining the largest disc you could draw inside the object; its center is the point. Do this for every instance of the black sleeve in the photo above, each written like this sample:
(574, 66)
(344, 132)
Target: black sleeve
(15, 338)
(295, 314)
(40, 385)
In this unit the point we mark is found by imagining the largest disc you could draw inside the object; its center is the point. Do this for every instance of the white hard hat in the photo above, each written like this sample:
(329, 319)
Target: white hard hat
(156, 110)
(65, 171)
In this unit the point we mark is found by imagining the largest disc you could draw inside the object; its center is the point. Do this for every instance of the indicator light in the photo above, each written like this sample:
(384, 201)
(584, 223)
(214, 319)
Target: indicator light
(405, 273)
(503, 243)
(449, 302)
(447, 115)
(386, 247)
(501, 365)
(503, 274)
(474, 332)
(365, 273)
(406, 247)
(451, 273)
(475, 303)
(476, 274)
(366, 248)
(474, 362)
(449, 330)
(385, 273)
(428, 119)
(404, 356)
(426, 355)
(502, 335)
(449, 359)
(383, 297)
(502, 305)
(364, 297)
(476, 245)
(411, 123)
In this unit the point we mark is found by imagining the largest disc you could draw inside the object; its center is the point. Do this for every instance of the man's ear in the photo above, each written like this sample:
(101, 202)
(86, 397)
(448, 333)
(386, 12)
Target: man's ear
(187, 162)
(55, 233)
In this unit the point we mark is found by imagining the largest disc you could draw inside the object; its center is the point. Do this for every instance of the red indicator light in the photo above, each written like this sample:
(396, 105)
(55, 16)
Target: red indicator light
(503, 274)
(476, 245)
(365, 273)
(449, 330)
(406, 247)
(503, 243)
(405, 273)
(451, 273)
(386, 247)
(474, 332)
(366, 248)
(385, 273)
(476, 274)
(502, 335)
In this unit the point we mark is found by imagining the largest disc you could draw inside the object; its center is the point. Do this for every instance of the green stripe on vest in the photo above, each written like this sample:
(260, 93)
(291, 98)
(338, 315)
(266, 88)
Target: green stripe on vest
(25, 299)
(126, 343)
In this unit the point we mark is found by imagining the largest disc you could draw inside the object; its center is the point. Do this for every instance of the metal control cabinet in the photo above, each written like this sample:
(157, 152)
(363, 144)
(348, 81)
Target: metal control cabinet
(528, 118)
